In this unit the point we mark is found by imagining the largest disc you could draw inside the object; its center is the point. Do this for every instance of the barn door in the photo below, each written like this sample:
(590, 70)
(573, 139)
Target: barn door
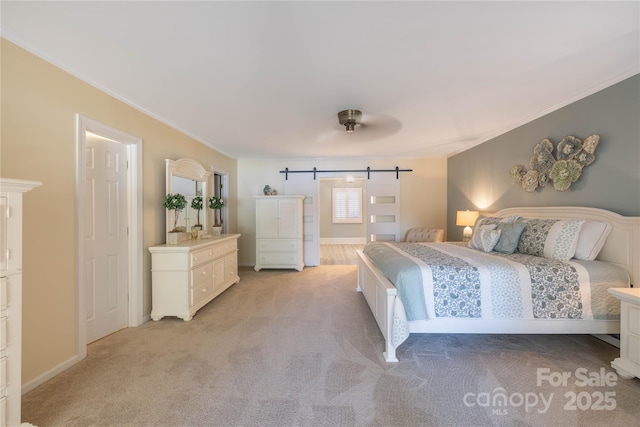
(305, 184)
(383, 208)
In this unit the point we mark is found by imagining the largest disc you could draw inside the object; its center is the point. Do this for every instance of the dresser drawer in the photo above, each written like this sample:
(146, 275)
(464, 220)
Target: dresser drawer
(3, 336)
(230, 267)
(225, 248)
(3, 376)
(280, 245)
(3, 410)
(202, 291)
(634, 319)
(201, 274)
(201, 256)
(278, 258)
(3, 293)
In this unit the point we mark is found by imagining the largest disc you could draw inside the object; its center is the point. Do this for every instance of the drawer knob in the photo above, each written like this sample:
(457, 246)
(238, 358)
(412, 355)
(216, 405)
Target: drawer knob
(195, 258)
(204, 290)
(204, 273)
(210, 253)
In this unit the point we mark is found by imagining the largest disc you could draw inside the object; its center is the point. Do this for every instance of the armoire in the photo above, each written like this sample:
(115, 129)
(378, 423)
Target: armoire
(279, 232)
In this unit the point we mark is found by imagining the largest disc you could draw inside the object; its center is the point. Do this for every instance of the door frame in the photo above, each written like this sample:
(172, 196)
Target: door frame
(311, 189)
(134, 200)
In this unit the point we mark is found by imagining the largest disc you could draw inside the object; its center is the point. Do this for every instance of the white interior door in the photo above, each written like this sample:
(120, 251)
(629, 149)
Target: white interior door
(383, 208)
(106, 256)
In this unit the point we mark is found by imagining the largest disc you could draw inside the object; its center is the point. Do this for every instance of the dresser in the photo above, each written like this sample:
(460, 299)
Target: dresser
(186, 276)
(628, 364)
(279, 232)
(11, 191)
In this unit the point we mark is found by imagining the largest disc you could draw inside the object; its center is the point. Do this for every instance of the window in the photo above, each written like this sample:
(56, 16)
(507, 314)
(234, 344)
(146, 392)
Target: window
(347, 205)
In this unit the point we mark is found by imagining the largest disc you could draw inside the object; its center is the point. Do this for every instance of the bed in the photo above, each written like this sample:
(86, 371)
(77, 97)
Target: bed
(466, 290)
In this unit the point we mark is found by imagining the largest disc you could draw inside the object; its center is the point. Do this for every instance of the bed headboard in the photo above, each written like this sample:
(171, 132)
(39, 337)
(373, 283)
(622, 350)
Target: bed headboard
(623, 244)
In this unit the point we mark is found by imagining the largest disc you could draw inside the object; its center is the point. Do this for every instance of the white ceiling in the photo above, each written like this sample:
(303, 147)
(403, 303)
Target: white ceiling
(267, 79)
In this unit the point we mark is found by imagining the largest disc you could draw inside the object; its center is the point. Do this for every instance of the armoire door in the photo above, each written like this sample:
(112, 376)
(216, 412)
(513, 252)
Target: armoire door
(289, 218)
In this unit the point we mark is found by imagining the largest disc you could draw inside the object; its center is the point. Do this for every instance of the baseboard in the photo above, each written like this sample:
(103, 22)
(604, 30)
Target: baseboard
(343, 240)
(27, 387)
(610, 339)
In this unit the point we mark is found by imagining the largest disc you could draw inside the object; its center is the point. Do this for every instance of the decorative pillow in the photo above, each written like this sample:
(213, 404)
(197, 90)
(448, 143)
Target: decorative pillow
(591, 239)
(487, 220)
(550, 238)
(486, 239)
(481, 239)
(509, 237)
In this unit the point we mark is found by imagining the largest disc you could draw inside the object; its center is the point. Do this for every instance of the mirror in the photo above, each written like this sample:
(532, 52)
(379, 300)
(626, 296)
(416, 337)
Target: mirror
(189, 178)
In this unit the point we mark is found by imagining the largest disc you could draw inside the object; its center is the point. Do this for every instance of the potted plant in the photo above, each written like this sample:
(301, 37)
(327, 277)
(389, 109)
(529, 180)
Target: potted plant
(174, 202)
(216, 203)
(196, 204)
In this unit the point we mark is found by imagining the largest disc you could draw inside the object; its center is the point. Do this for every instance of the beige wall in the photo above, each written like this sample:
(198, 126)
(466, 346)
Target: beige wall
(38, 137)
(38, 142)
(423, 192)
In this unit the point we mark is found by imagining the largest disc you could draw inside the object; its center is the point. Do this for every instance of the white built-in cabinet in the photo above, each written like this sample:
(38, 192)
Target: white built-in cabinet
(279, 232)
(187, 275)
(11, 298)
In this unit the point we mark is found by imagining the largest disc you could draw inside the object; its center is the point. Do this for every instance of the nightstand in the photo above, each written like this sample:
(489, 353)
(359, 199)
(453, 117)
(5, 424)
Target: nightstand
(628, 364)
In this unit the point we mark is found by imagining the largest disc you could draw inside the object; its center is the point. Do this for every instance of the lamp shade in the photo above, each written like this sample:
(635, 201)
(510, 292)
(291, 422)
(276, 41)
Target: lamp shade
(466, 218)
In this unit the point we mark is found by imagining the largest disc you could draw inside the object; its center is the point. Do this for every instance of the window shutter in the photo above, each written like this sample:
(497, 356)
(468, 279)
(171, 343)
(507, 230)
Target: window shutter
(347, 205)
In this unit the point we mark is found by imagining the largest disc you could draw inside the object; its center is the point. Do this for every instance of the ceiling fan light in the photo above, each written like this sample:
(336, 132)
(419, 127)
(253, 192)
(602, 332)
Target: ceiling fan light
(349, 118)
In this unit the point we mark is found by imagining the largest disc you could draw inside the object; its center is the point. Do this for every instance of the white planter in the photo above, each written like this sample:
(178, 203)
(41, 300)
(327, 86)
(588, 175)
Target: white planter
(173, 238)
(216, 230)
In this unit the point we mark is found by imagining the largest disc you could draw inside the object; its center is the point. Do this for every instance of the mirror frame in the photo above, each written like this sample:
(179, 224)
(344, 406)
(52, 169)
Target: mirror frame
(189, 169)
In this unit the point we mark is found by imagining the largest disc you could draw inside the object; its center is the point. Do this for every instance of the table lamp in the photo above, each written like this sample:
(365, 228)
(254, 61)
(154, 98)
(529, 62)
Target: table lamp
(466, 219)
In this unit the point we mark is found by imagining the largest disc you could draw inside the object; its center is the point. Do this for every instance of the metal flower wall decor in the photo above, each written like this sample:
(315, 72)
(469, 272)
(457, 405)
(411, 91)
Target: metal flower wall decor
(563, 169)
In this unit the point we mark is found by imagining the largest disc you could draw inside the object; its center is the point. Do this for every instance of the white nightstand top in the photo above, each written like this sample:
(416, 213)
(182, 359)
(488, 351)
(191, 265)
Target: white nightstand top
(628, 294)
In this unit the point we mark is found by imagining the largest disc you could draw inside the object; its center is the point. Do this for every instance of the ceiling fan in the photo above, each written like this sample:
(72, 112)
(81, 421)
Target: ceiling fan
(376, 126)
(349, 119)
(360, 128)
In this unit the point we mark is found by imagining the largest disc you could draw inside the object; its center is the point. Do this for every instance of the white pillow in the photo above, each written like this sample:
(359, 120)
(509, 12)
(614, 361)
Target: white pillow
(591, 239)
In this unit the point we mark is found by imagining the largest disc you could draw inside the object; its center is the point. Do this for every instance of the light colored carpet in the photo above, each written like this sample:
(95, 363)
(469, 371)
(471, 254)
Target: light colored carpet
(287, 348)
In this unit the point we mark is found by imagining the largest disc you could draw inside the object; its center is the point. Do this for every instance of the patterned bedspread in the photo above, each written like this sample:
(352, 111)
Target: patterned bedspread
(447, 280)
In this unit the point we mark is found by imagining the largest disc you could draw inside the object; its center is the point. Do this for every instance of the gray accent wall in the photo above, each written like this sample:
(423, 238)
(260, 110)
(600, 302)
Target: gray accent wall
(479, 179)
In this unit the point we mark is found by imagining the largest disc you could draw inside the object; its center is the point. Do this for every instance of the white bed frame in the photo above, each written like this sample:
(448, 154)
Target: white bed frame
(622, 248)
